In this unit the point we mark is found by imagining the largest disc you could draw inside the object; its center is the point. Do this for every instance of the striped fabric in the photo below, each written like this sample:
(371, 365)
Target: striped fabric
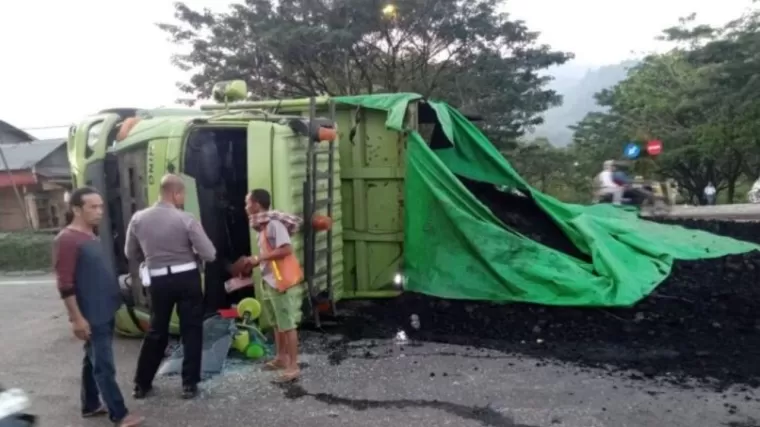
(291, 222)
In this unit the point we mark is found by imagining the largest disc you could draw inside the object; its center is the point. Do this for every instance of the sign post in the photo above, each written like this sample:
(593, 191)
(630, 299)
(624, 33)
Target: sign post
(631, 151)
(654, 147)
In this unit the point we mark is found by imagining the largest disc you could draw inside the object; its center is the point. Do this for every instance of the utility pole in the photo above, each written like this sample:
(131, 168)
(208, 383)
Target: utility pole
(20, 199)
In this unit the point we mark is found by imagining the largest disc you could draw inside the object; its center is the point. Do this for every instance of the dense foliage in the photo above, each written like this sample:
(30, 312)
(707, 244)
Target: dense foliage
(464, 52)
(699, 99)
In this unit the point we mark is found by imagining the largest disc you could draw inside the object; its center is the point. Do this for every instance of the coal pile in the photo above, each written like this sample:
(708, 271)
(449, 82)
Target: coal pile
(522, 214)
(701, 325)
(748, 231)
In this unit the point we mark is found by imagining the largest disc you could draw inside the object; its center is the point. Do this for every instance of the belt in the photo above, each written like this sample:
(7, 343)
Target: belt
(173, 269)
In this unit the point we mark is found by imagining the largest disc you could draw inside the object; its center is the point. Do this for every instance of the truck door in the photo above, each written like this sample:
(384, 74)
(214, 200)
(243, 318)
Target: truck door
(86, 149)
(87, 143)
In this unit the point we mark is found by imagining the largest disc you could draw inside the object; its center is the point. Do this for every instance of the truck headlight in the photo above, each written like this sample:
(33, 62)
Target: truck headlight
(399, 280)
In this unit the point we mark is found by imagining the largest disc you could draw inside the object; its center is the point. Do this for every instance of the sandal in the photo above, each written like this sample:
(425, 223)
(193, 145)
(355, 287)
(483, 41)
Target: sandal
(96, 413)
(131, 421)
(273, 365)
(288, 377)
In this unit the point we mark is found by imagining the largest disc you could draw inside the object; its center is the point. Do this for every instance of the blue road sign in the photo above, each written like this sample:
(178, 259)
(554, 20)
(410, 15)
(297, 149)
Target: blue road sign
(631, 151)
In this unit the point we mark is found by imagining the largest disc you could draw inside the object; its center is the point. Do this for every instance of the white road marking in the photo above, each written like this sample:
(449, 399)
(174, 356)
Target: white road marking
(26, 282)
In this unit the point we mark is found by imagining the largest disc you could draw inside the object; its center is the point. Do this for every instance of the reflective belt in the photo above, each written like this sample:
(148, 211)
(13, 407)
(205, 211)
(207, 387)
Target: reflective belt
(173, 269)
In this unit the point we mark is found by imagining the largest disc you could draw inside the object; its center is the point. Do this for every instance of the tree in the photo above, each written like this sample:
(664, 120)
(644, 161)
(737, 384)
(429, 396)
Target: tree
(550, 169)
(697, 98)
(538, 162)
(596, 138)
(660, 100)
(727, 59)
(461, 51)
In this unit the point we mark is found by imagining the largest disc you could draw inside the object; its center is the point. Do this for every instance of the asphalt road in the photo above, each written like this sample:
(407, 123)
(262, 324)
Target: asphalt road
(383, 384)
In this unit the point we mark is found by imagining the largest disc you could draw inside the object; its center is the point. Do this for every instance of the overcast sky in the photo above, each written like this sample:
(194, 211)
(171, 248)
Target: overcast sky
(62, 60)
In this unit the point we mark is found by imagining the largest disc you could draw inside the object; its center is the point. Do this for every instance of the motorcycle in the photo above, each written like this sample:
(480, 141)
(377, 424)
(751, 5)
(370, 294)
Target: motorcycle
(13, 404)
(642, 196)
(650, 197)
(631, 196)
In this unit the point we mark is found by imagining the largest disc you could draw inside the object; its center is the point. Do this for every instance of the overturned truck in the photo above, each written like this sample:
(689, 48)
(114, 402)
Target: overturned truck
(419, 199)
(224, 150)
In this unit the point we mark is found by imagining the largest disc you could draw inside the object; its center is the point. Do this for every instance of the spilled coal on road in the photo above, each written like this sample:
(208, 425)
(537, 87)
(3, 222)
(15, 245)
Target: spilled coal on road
(749, 231)
(699, 328)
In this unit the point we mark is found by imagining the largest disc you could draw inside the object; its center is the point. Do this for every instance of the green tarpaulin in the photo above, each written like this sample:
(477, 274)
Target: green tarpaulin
(454, 246)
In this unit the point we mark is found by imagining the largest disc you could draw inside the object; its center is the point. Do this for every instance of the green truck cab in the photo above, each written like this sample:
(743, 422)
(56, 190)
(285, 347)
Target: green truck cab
(224, 150)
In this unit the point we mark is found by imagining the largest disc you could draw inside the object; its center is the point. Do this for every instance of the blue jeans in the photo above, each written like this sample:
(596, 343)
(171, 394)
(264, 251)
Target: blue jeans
(99, 374)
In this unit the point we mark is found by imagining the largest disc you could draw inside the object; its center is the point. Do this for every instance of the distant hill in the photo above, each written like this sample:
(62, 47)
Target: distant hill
(577, 85)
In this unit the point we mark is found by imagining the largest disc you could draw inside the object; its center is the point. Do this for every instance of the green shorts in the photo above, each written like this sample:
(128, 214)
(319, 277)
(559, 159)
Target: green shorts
(283, 309)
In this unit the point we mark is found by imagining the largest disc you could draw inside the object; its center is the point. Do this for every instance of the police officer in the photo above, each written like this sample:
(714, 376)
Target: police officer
(168, 239)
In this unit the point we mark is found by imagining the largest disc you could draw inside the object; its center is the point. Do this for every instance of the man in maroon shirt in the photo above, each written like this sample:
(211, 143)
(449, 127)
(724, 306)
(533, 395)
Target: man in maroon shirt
(90, 291)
